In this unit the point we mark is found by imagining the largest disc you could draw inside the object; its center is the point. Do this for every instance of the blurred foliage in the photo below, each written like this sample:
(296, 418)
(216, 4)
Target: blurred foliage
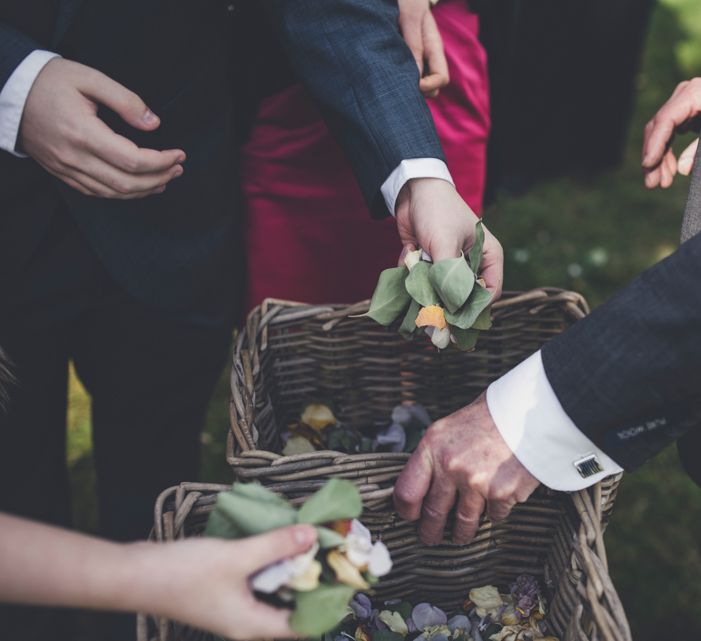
(592, 235)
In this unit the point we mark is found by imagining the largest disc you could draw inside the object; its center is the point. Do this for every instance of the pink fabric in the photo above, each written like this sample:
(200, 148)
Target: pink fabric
(308, 235)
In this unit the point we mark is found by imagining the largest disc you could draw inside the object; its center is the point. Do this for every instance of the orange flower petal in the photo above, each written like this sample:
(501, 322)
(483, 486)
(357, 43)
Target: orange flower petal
(431, 316)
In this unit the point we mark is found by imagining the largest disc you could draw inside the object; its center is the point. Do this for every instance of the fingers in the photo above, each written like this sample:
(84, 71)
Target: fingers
(284, 543)
(499, 510)
(492, 267)
(413, 484)
(119, 99)
(410, 24)
(88, 186)
(125, 155)
(686, 159)
(467, 516)
(436, 507)
(437, 65)
(122, 184)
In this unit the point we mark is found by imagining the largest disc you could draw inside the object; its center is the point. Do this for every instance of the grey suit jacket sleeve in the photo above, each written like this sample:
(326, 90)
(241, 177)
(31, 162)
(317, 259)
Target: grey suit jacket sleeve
(629, 375)
(349, 53)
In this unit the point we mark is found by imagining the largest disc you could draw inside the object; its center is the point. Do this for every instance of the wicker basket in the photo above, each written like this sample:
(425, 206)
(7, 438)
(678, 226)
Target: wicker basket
(290, 353)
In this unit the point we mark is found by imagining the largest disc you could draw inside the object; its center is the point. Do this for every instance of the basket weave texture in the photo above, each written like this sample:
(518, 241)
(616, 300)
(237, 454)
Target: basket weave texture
(289, 354)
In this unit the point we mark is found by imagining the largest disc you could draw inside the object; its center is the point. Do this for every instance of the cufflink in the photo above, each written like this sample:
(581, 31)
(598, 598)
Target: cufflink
(588, 466)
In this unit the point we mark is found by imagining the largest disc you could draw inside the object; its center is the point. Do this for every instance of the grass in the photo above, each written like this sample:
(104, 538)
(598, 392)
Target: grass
(593, 237)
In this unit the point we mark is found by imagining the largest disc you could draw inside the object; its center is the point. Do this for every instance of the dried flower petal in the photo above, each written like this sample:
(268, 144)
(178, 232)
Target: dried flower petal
(282, 573)
(297, 445)
(380, 561)
(507, 633)
(393, 437)
(459, 622)
(317, 416)
(431, 316)
(361, 606)
(308, 580)
(345, 571)
(441, 337)
(394, 621)
(361, 634)
(412, 259)
(487, 600)
(426, 615)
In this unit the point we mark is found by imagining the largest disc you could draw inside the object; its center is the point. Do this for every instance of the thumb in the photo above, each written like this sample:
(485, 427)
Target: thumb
(119, 99)
(686, 159)
(265, 549)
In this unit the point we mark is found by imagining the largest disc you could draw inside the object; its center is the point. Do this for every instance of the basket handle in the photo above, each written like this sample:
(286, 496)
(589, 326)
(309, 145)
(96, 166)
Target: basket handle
(604, 619)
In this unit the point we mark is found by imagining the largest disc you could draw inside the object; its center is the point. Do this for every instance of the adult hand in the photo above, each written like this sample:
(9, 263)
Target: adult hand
(61, 131)
(206, 584)
(431, 214)
(462, 460)
(678, 115)
(420, 32)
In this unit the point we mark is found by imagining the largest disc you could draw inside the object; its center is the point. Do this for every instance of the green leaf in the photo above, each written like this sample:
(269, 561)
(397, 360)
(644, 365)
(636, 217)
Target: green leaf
(329, 538)
(477, 247)
(466, 316)
(465, 339)
(320, 610)
(408, 327)
(386, 635)
(390, 297)
(338, 499)
(247, 510)
(453, 280)
(484, 320)
(405, 609)
(419, 286)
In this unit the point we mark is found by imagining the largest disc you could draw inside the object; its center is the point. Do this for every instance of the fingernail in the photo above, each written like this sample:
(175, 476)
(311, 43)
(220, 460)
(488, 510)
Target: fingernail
(178, 171)
(149, 117)
(305, 535)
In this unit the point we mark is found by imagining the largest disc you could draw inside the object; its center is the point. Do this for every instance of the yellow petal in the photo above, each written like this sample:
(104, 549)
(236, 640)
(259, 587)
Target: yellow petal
(297, 445)
(345, 571)
(361, 634)
(318, 416)
(309, 580)
(431, 316)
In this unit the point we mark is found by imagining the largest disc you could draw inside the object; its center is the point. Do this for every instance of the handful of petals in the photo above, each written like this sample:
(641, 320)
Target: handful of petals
(320, 583)
(447, 300)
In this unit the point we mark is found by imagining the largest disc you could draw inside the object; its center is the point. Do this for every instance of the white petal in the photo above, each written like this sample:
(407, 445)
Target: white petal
(358, 529)
(272, 578)
(380, 562)
(441, 338)
(412, 258)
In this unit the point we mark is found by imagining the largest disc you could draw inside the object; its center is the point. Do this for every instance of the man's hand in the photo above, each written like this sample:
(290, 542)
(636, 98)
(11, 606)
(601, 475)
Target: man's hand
(432, 215)
(462, 460)
(61, 131)
(421, 34)
(678, 115)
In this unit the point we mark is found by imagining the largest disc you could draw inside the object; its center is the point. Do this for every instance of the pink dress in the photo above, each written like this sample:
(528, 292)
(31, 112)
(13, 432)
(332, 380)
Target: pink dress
(309, 236)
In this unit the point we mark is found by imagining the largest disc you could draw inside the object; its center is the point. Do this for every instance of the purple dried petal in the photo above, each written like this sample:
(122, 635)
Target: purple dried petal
(394, 436)
(419, 413)
(411, 625)
(426, 615)
(440, 636)
(361, 606)
(459, 622)
(401, 414)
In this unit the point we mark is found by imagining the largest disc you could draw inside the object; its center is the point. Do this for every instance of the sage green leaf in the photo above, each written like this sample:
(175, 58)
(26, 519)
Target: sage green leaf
(453, 280)
(484, 320)
(419, 286)
(247, 514)
(408, 327)
(338, 499)
(256, 492)
(320, 610)
(329, 538)
(465, 339)
(390, 297)
(477, 247)
(466, 316)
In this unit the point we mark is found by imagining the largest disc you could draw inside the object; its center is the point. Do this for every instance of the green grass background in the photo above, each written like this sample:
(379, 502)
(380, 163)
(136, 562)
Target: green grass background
(593, 237)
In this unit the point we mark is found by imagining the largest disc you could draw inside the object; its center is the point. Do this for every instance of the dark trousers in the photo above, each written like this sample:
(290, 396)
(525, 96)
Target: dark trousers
(150, 377)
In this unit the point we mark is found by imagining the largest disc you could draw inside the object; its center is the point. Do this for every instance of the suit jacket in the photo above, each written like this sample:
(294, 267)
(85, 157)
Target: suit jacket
(629, 375)
(186, 59)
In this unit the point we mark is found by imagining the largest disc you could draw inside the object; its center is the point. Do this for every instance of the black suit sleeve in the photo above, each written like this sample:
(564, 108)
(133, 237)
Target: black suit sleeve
(629, 375)
(14, 48)
(351, 56)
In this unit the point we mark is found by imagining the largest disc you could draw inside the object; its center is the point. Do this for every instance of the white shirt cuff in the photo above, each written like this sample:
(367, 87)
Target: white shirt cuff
(543, 438)
(14, 95)
(409, 169)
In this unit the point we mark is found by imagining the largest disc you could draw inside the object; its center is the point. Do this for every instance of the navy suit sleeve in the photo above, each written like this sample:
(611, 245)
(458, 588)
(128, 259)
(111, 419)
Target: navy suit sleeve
(351, 56)
(14, 48)
(629, 374)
